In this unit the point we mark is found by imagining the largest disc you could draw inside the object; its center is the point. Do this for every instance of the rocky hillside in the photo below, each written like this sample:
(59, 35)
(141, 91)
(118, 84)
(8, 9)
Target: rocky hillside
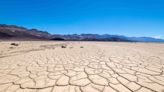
(16, 32)
(10, 32)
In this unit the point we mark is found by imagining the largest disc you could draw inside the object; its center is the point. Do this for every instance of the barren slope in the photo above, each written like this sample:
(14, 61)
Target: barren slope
(81, 67)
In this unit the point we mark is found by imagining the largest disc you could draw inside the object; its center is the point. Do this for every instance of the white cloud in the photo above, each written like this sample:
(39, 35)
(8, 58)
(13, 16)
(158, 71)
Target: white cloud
(159, 37)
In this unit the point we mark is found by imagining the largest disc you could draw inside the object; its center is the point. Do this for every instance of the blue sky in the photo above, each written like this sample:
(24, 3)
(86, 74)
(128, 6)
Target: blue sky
(122, 17)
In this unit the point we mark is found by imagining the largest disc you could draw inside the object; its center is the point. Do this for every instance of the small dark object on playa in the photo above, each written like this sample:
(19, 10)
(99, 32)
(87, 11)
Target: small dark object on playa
(81, 47)
(14, 44)
(70, 47)
(63, 46)
(11, 47)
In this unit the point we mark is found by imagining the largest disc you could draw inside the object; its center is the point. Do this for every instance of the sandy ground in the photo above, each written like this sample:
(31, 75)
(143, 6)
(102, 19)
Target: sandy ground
(39, 66)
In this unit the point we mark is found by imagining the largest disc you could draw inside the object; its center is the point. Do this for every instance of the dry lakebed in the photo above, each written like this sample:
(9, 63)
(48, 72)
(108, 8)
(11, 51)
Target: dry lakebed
(54, 66)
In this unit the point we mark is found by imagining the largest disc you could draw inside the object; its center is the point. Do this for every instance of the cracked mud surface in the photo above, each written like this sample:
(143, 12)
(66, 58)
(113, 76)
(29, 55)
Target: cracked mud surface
(97, 67)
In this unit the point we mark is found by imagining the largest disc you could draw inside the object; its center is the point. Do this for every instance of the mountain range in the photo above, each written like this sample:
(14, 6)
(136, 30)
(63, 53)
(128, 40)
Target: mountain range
(13, 32)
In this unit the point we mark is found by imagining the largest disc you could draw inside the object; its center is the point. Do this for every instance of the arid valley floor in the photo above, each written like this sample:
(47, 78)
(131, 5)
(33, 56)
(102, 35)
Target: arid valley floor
(46, 66)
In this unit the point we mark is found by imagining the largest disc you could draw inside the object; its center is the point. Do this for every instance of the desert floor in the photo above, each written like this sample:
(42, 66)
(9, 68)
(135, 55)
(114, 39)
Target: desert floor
(40, 66)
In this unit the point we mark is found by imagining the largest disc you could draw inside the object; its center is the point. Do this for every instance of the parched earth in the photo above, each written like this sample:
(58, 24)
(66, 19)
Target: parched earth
(40, 66)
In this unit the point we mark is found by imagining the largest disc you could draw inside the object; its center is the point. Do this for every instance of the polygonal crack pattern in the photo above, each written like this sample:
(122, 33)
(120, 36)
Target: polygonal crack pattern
(98, 67)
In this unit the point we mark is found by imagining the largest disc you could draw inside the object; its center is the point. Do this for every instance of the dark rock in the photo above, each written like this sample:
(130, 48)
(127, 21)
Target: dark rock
(14, 44)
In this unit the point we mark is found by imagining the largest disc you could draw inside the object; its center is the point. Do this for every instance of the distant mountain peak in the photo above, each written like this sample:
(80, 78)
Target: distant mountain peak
(10, 32)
